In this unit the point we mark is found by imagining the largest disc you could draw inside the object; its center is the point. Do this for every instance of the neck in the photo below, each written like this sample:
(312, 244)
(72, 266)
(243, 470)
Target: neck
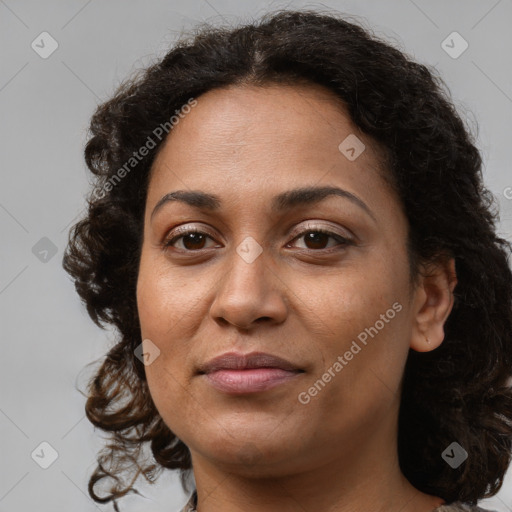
(362, 474)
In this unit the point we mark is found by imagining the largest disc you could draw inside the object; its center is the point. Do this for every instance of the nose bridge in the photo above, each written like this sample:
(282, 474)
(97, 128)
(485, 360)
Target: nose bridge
(248, 289)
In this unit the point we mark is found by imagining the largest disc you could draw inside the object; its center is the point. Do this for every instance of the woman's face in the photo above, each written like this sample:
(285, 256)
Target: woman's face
(261, 278)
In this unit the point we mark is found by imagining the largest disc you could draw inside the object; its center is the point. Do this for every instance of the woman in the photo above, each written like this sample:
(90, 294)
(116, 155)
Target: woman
(290, 232)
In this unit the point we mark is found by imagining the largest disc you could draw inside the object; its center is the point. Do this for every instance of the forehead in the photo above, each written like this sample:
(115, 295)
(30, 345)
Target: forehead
(259, 139)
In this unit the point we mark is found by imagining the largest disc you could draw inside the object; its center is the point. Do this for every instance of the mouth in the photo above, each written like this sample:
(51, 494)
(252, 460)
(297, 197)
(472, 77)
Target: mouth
(234, 373)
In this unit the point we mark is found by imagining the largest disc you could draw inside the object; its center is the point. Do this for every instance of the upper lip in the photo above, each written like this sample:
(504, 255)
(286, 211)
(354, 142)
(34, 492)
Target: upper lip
(236, 361)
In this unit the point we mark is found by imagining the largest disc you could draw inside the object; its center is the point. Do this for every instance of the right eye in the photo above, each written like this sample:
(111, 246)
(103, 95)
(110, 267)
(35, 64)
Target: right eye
(192, 240)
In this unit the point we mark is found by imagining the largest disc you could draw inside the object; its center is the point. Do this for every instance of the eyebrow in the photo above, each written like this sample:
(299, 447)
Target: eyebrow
(284, 201)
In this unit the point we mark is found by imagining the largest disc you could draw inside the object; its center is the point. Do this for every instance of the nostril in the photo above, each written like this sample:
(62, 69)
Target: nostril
(263, 318)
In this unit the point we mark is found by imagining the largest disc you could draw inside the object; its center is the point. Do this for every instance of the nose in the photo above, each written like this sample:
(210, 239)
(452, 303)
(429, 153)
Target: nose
(249, 293)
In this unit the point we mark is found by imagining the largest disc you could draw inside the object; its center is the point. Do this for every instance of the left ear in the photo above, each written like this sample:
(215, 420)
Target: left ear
(433, 303)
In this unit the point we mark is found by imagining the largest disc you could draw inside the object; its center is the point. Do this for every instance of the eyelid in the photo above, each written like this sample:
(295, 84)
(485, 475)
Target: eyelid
(182, 230)
(185, 230)
(311, 226)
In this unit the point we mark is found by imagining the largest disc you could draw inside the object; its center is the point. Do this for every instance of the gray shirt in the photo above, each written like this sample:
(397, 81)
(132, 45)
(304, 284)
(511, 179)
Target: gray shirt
(452, 507)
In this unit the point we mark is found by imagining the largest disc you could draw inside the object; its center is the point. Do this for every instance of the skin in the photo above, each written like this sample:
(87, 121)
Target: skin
(199, 299)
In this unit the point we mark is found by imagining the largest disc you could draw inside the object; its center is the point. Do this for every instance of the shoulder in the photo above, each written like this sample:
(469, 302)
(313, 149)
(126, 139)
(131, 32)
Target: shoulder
(191, 504)
(460, 507)
(452, 507)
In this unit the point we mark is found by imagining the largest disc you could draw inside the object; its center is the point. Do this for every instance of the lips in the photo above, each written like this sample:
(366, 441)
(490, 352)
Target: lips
(235, 361)
(235, 374)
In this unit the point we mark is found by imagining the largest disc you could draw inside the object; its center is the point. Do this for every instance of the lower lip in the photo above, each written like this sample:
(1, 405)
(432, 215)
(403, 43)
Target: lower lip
(249, 381)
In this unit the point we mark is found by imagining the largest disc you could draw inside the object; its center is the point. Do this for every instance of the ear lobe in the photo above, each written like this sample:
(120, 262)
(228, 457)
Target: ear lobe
(434, 303)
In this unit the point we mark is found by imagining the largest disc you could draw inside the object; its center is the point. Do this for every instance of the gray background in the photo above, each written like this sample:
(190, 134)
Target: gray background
(45, 106)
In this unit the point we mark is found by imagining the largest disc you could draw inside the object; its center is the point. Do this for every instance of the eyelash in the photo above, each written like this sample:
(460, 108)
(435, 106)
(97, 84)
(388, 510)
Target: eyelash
(167, 243)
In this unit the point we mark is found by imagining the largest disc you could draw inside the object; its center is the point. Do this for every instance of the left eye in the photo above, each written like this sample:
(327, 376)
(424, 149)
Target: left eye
(319, 236)
(195, 240)
(194, 237)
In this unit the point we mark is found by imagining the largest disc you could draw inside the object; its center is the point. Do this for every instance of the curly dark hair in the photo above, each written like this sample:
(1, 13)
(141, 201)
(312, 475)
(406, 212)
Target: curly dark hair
(457, 392)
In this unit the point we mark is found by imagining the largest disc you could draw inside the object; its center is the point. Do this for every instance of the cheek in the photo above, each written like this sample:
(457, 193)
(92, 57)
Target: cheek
(159, 315)
(367, 325)
(355, 298)
(360, 377)
(163, 300)
(167, 374)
